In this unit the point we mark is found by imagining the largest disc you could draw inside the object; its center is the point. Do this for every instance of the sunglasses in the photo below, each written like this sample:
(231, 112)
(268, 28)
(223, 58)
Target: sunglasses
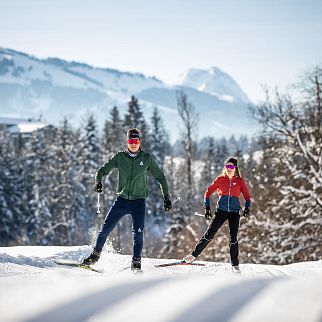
(230, 166)
(133, 141)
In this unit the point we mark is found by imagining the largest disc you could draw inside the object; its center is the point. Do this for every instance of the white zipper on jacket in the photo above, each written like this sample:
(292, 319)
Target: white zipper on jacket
(229, 193)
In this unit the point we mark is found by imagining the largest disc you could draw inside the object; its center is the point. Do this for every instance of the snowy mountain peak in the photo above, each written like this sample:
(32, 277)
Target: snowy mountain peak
(215, 82)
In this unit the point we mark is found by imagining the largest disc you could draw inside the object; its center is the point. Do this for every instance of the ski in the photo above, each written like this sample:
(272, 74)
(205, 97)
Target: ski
(178, 263)
(77, 264)
(137, 271)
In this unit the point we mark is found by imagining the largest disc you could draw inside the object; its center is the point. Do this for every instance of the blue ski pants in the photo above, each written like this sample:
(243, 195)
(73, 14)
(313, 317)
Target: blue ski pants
(120, 208)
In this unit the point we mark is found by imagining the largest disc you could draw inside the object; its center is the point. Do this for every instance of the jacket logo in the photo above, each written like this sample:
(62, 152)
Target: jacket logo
(234, 183)
(141, 163)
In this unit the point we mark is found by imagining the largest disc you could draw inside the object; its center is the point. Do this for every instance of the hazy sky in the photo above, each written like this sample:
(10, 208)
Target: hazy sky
(257, 42)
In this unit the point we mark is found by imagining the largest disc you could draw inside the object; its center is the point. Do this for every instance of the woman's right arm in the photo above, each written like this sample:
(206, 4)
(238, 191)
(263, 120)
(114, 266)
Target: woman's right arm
(210, 190)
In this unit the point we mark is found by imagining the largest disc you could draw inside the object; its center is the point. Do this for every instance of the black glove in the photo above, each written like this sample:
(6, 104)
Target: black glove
(167, 203)
(98, 187)
(208, 214)
(246, 212)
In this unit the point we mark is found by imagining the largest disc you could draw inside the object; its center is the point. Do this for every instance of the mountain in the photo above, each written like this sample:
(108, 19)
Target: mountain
(36, 289)
(214, 82)
(53, 88)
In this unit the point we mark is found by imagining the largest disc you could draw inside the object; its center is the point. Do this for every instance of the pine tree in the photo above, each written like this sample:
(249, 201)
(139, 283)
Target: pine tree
(63, 226)
(88, 161)
(11, 216)
(208, 172)
(113, 140)
(114, 134)
(154, 230)
(134, 118)
(221, 154)
(36, 176)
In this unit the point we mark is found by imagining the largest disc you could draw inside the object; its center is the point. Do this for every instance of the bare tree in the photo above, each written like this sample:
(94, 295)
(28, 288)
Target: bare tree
(180, 235)
(190, 119)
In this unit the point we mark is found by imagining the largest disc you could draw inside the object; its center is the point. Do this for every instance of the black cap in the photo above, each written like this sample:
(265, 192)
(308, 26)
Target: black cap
(232, 160)
(134, 134)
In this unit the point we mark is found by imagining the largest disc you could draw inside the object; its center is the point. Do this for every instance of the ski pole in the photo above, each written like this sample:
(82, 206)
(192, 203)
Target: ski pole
(177, 199)
(98, 205)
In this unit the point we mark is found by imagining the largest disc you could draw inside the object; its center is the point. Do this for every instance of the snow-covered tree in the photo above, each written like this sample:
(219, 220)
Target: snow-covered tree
(87, 163)
(11, 212)
(159, 147)
(155, 220)
(63, 226)
(208, 173)
(36, 175)
(113, 140)
(114, 134)
(134, 118)
(295, 153)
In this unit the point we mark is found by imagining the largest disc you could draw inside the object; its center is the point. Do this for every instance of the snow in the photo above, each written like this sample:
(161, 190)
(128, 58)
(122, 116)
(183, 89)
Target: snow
(28, 127)
(215, 82)
(74, 75)
(34, 288)
(23, 126)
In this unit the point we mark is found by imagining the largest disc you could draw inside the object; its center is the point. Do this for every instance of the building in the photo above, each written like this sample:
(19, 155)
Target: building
(23, 127)
(20, 129)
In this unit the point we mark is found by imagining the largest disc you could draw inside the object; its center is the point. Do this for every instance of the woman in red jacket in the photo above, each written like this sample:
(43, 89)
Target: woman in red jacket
(229, 186)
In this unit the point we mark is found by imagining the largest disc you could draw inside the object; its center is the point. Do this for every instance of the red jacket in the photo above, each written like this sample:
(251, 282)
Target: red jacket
(228, 191)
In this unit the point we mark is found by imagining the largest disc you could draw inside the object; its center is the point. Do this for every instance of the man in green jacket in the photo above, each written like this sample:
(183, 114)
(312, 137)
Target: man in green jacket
(134, 165)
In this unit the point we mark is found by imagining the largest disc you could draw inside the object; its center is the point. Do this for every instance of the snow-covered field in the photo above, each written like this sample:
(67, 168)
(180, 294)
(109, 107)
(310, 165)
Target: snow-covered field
(33, 288)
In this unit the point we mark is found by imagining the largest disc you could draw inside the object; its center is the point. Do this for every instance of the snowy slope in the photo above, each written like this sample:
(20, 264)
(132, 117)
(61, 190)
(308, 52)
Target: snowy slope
(23, 69)
(55, 88)
(33, 288)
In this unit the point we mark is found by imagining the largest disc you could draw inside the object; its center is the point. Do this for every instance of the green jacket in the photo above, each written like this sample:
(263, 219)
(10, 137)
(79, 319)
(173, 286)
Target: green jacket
(133, 173)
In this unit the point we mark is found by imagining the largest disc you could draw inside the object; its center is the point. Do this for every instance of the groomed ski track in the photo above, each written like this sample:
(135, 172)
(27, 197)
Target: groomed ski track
(35, 289)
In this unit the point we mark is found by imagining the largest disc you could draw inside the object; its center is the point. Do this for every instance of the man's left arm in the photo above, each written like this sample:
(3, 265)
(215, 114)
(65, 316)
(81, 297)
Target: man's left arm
(158, 174)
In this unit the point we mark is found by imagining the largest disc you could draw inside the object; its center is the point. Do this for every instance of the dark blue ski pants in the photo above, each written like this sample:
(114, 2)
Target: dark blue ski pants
(216, 222)
(120, 208)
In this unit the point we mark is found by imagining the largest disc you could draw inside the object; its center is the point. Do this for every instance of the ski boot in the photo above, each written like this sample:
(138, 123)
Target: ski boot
(136, 265)
(92, 258)
(189, 259)
(236, 269)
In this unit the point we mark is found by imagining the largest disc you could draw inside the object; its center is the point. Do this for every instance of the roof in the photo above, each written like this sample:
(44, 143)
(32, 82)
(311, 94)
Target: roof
(23, 126)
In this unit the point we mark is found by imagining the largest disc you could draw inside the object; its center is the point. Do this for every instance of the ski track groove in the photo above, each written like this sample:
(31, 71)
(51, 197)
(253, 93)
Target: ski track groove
(216, 306)
(82, 309)
(280, 273)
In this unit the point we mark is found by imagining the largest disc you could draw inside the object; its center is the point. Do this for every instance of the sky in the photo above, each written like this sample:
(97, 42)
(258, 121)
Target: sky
(257, 42)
